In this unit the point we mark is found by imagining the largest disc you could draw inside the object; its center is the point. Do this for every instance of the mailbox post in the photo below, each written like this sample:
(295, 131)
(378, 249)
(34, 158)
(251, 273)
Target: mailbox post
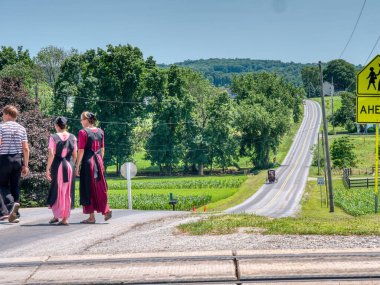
(172, 201)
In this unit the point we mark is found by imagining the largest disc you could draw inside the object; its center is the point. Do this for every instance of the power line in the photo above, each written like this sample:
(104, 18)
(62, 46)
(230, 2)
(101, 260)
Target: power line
(352, 33)
(133, 124)
(110, 101)
(374, 46)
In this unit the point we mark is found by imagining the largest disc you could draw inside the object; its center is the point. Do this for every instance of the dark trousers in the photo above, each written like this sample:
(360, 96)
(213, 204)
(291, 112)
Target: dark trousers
(10, 173)
(3, 208)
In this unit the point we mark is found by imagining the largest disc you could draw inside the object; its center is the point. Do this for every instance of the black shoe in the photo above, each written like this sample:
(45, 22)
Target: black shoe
(13, 213)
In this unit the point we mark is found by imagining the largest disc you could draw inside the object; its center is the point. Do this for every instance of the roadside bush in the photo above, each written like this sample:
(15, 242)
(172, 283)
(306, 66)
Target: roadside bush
(34, 188)
(371, 130)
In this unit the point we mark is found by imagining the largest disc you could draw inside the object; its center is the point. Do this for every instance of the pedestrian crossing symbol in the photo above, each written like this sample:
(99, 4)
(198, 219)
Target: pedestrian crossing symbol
(368, 79)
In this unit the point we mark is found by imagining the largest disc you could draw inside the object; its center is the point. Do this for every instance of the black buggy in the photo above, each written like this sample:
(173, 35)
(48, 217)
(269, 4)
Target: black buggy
(271, 176)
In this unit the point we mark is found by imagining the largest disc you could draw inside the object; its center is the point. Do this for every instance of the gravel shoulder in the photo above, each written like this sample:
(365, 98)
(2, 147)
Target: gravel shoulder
(162, 235)
(147, 232)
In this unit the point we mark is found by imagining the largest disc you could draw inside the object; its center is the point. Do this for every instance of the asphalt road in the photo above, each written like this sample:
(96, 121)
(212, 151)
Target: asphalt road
(33, 236)
(282, 198)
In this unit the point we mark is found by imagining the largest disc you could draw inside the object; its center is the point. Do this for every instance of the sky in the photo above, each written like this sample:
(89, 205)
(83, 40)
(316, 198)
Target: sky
(304, 31)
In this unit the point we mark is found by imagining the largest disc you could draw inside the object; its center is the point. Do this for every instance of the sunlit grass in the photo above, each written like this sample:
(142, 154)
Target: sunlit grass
(314, 219)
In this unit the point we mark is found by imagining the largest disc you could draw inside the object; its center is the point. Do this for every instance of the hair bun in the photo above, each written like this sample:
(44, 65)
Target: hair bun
(61, 122)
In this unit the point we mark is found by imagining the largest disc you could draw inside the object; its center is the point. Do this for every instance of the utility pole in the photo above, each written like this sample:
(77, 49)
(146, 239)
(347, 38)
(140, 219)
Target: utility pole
(319, 157)
(327, 152)
(332, 103)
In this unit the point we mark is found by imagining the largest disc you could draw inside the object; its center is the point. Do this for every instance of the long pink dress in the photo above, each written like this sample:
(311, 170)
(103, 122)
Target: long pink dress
(62, 206)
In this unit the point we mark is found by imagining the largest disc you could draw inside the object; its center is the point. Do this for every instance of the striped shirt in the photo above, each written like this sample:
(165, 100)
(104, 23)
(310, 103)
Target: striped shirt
(12, 135)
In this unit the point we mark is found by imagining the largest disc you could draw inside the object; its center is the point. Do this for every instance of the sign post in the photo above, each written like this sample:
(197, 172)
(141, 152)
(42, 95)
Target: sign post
(368, 107)
(377, 169)
(129, 170)
(320, 182)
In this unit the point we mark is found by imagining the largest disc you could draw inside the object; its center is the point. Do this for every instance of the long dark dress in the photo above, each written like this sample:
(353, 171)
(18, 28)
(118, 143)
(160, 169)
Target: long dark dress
(59, 197)
(93, 186)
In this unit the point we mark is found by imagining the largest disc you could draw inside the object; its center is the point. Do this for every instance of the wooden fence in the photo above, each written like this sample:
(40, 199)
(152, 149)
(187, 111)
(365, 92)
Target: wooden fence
(350, 182)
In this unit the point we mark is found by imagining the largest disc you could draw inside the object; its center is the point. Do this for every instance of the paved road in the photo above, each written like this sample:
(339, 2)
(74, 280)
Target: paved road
(33, 236)
(283, 198)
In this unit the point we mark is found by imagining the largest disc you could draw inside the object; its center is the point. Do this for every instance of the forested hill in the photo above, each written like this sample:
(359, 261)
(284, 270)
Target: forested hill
(220, 71)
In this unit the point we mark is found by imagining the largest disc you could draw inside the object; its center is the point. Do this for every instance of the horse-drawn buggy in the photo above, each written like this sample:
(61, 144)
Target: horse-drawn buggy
(271, 176)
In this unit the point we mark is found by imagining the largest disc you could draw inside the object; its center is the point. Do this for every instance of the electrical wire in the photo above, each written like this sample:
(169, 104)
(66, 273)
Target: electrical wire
(109, 101)
(374, 46)
(353, 31)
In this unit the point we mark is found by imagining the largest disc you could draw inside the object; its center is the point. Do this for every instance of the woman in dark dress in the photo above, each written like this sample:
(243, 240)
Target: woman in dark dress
(59, 171)
(93, 187)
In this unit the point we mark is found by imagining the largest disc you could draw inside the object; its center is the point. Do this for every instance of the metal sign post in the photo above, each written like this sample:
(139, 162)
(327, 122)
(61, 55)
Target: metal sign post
(129, 186)
(377, 168)
(129, 170)
(321, 181)
(368, 107)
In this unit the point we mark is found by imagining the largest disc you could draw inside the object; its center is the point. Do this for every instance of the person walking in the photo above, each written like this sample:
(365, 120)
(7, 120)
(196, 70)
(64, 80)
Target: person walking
(14, 161)
(59, 171)
(92, 187)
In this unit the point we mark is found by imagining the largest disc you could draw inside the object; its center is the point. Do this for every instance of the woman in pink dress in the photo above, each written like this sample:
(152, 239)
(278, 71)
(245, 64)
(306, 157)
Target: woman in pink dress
(93, 186)
(59, 171)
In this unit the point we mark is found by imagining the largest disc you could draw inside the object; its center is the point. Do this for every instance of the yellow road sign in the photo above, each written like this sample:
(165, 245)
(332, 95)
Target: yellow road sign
(367, 109)
(368, 79)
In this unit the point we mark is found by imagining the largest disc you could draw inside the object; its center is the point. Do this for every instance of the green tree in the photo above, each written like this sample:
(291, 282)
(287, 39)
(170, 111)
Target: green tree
(220, 132)
(266, 109)
(342, 153)
(310, 80)
(346, 115)
(261, 124)
(343, 74)
(210, 138)
(110, 84)
(195, 141)
(9, 56)
(50, 59)
(172, 108)
(119, 72)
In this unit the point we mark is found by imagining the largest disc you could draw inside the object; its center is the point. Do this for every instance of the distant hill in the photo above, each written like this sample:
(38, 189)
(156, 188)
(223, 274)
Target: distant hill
(220, 71)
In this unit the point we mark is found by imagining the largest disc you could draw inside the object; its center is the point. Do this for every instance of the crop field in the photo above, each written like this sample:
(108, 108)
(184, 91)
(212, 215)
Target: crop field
(153, 193)
(354, 201)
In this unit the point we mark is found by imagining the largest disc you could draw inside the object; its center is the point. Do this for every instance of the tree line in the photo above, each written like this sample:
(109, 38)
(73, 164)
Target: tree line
(174, 114)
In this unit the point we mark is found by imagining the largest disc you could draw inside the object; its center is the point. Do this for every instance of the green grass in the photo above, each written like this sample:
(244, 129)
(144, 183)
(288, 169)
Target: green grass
(246, 190)
(313, 219)
(337, 103)
(364, 149)
(216, 194)
(144, 165)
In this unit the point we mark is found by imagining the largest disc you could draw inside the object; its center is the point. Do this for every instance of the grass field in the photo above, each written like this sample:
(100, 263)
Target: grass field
(364, 148)
(313, 219)
(153, 193)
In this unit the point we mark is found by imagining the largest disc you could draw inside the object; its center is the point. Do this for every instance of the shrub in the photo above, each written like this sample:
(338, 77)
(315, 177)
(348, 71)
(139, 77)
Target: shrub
(34, 188)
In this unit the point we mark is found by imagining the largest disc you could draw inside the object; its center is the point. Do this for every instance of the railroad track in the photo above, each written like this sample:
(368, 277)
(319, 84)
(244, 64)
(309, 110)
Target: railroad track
(207, 269)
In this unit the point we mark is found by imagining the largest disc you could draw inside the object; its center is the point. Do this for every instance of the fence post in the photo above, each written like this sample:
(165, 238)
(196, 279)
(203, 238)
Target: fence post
(367, 183)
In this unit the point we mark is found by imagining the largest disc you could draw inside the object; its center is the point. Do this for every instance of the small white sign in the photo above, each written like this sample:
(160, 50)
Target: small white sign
(133, 170)
(129, 170)
(321, 181)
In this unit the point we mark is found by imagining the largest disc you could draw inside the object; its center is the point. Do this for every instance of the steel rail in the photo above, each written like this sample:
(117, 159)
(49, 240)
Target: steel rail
(168, 259)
